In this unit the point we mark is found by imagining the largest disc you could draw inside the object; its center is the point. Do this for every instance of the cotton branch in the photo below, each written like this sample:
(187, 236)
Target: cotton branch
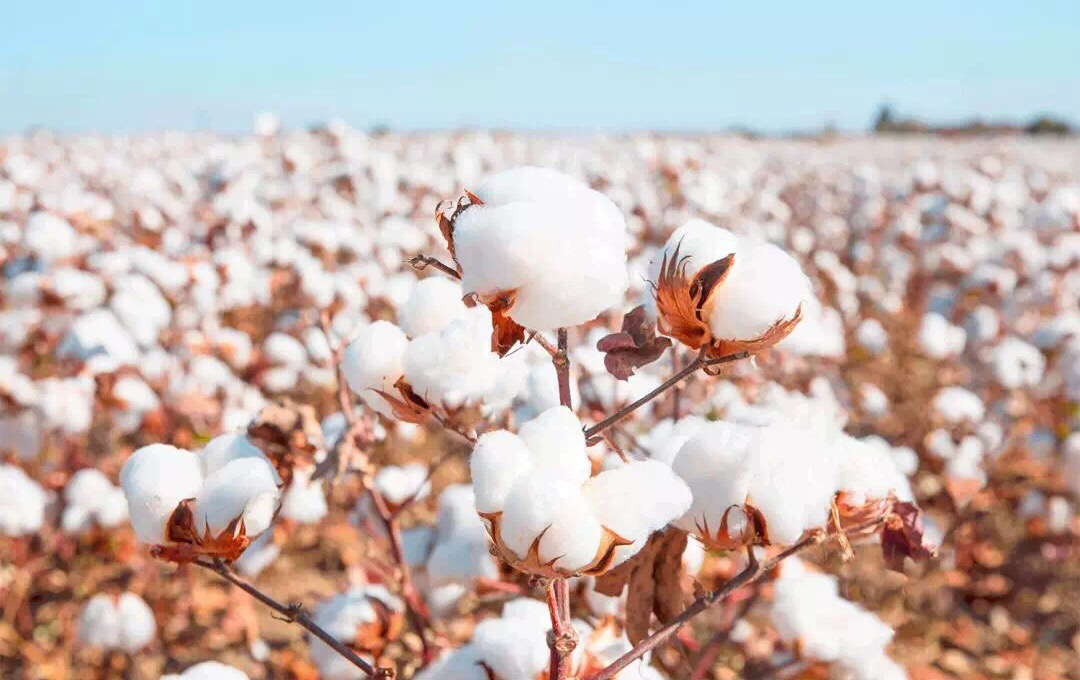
(698, 363)
(750, 574)
(422, 262)
(294, 613)
(563, 637)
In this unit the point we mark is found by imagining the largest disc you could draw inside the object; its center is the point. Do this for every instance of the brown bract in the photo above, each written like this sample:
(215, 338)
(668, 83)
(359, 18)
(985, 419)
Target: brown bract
(185, 542)
(682, 306)
(408, 406)
(531, 563)
(289, 434)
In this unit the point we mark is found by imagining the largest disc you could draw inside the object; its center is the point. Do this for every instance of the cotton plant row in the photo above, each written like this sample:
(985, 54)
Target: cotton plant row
(151, 332)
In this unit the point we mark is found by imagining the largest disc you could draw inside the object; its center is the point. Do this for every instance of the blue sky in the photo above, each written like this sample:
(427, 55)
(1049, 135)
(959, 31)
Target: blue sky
(127, 66)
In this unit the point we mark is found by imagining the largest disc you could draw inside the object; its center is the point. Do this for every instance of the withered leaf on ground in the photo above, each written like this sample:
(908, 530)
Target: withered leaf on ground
(636, 345)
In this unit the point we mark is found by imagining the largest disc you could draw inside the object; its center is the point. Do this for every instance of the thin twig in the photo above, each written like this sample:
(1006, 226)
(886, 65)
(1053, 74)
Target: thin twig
(544, 342)
(294, 613)
(751, 573)
(422, 262)
(685, 371)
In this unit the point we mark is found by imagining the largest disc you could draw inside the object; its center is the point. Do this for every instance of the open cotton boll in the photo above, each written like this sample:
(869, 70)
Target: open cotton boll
(807, 608)
(98, 332)
(556, 444)
(49, 237)
(957, 405)
(209, 670)
(510, 648)
(282, 348)
(664, 439)
(91, 497)
(1017, 364)
(715, 466)
(155, 479)
(398, 483)
(763, 286)
(125, 623)
(531, 506)
(454, 366)
(558, 244)
(869, 471)
(244, 489)
(571, 540)
(259, 555)
(347, 617)
(497, 460)
(305, 500)
(457, 664)
(939, 339)
(542, 389)
(22, 502)
(872, 336)
(635, 500)
(374, 360)
(433, 304)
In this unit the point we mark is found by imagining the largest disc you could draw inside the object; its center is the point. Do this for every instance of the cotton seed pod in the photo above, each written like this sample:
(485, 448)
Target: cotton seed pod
(539, 248)
(726, 294)
(546, 516)
(214, 504)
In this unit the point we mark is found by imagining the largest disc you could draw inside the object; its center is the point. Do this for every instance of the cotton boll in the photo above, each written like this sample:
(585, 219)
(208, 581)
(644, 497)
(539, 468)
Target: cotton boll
(763, 286)
(374, 360)
(957, 405)
(281, 348)
(636, 499)
(155, 479)
(209, 670)
(342, 616)
(454, 366)
(554, 241)
(556, 444)
(457, 664)
(305, 500)
(542, 389)
(700, 242)
(398, 483)
(938, 339)
(509, 648)
(90, 497)
(873, 400)
(871, 335)
(433, 304)
(664, 439)
(1017, 364)
(244, 489)
(49, 237)
(259, 555)
(498, 460)
(98, 332)
(531, 506)
(571, 541)
(125, 623)
(714, 465)
(869, 470)
(22, 502)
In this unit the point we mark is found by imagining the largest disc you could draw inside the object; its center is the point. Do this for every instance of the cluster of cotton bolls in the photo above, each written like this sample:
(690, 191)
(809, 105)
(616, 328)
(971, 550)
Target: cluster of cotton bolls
(920, 300)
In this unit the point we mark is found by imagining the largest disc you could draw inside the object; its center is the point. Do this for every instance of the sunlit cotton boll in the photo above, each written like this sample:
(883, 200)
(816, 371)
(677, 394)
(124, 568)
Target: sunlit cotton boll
(958, 405)
(398, 483)
(557, 244)
(454, 366)
(374, 360)
(91, 498)
(122, 622)
(243, 490)
(209, 670)
(535, 486)
(1017, 364)
(433, 304)
(346, 616)
(22, 502)
(155, 479)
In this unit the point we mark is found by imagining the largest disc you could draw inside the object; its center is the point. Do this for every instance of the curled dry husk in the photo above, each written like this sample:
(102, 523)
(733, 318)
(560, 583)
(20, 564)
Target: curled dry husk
(682, 305)
(184, 542)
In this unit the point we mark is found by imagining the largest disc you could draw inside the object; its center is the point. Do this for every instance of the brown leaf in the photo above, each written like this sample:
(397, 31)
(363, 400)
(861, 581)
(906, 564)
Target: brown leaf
(903, 537)
(669, 599)
(289, 434)
(636, 345)
(639, 599)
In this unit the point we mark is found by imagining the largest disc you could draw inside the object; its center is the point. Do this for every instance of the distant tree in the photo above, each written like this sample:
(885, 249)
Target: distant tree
(885, 120)
(1048, 125)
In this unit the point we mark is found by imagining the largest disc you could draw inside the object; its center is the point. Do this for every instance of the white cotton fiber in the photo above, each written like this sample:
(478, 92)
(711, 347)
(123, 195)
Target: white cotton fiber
(155, 479)
(497, 460)
(572, 538)
(374, 360)
(554, 241)
(398, 483)
(125, 623)
(22, 502)
(246, 489)
(715, 465)
(90, 497)
(556, 443)
(432, 305)
(957, 405)
(225, 448)
(531, 506)
(1017, 364)
(305, 499)
(510, 647)
(637, 498)
(454, 366)
(209, 670)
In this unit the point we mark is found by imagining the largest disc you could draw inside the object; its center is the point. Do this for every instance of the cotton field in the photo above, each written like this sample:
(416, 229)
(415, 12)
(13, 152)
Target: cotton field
(493, 406)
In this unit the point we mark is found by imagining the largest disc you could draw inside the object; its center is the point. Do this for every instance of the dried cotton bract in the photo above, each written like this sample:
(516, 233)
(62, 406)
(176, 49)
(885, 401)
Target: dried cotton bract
(186, 504)
(724, 293)
(540, 247)
(547, 516)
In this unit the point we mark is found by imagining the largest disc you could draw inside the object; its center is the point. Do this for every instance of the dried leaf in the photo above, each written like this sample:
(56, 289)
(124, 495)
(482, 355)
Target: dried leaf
(636, 345)
(903, 537)
(289, 434)
(669, 599)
